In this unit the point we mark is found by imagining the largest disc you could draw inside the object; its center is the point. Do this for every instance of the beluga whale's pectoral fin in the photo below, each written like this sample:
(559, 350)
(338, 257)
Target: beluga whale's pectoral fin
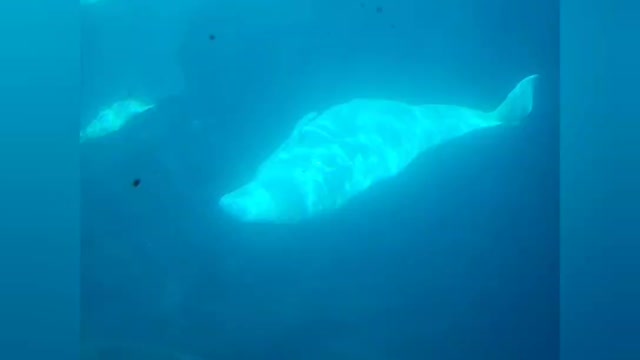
(518, 103)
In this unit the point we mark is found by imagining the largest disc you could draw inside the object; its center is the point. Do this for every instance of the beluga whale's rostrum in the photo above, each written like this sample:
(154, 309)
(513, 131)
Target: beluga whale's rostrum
(334, 155)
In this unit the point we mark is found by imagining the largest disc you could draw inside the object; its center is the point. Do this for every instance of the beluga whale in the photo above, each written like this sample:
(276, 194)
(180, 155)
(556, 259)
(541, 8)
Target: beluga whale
(332, 156)
(114, 118)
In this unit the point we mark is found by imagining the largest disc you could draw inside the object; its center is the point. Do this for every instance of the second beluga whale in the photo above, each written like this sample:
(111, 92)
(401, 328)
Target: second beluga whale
(113, 118)
(334, 155)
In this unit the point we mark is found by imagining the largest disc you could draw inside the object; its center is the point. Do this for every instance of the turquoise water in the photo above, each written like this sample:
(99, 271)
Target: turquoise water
(456, 258)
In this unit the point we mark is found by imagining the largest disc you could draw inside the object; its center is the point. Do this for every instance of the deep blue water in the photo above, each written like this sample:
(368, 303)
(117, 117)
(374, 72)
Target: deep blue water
(456, 258)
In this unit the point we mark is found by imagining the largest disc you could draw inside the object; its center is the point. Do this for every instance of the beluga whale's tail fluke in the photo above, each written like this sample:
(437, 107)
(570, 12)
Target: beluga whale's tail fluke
(518, 103)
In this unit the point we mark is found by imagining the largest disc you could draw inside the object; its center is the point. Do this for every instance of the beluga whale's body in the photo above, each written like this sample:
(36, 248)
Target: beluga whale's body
(332, 156)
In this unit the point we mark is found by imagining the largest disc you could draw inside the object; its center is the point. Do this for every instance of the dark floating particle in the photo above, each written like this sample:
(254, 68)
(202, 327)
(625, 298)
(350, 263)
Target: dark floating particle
(212, 37)
(136, 183)
(362, 5)
(379, 9)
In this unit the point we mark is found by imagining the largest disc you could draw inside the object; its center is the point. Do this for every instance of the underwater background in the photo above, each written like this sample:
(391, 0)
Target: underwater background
(455, 258)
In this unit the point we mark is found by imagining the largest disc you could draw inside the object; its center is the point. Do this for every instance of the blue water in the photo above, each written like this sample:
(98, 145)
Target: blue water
(456, 258)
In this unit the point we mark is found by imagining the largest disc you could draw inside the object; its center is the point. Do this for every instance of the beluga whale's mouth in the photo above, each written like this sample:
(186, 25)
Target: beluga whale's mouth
(250, 203)
(232, 206)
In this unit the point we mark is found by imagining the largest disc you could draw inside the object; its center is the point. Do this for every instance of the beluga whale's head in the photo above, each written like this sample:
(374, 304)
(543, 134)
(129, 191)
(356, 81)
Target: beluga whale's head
(289, 186)
(265, 201)
(250, 203)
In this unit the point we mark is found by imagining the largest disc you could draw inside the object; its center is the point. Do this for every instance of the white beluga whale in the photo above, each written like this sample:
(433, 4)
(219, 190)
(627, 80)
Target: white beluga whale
(114, 118)
(334, 155)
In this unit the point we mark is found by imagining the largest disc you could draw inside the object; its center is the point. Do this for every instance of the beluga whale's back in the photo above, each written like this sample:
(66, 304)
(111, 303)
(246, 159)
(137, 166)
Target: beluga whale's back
(332, 156)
